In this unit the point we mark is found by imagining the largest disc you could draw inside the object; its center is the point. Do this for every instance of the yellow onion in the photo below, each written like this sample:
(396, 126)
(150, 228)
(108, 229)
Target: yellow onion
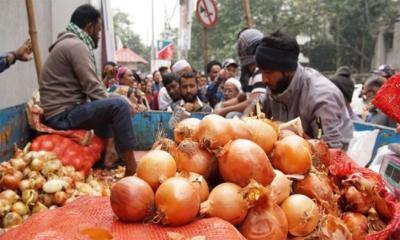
(30, 197)
(198, 182)
(190, 157)
(356, 200)
(242, 160)
(281, 187)
(262, 133)
(11, 180)
(39, 207)
(155, 167)
(177, 202)
(33, 174)
(10, 196)
(59, 198)
(26, 172)
(227, 202)
(18, 163)
(292, 155)
(51, 167)
(213, 132)
(357, 224)
(12, 219)
(52, 207)
(37, 164)
(38, 182)
(46, 199)
(5, 207)
(302, 214)
(78, 176)
(20, 208)
(54, 185)
(165, 144)
(186, 129)
(239, 129)
(25, 184)
(332, 227)
(84, 188)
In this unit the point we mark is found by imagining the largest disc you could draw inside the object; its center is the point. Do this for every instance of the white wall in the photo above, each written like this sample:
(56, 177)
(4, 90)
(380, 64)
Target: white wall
(52, 16)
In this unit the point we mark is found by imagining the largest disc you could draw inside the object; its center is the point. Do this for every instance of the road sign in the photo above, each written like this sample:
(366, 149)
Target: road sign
(165, 49)
(207, 12)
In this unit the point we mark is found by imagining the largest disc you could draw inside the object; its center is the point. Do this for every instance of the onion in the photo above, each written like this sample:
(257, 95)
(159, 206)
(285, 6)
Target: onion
(59, 198)
(357, 224)
(214, 131)
(11, 180)
(198, 182)
(52, 207)
(25, 184)
(155, 167)
(5, 207)
(190, 157)
(39, 207)
(316, 186)
(20, 208)
(26, 172)
(18, 163)
(165, 144)
(38, 182)
(37, 164)
(11, 219)
(239, 129)
(262, 133)
(132, 199)
(54, 185)
(227, 202)
(10, 196)
(281, 187)
(46, 199)
(30, 197)
(302, 214)
(265, 221)
(243, 160)
(356, 201)
(51, 167)
(177, 202)
(334, 228)
(292, 155)
(285, 133)
(320, 153)
(186, 129)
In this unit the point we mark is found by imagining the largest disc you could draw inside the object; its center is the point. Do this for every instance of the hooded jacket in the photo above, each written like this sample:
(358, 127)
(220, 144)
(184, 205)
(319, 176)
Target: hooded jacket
(68, 76)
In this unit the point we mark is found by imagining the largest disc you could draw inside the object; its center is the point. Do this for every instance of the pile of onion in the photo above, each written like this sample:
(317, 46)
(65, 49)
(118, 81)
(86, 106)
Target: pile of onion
(262, 133)
(265, 220)
(177, 202)
(242, 160)
(355, 200)
(281, 187)
(357, 224)
(214, 131)
(155, 167)
(239, 129)
(191, 158)
(186, 129)
(198, 182)
(227, 202)
(292, 155)
(332, 227)
(132, 199)
(302, 214)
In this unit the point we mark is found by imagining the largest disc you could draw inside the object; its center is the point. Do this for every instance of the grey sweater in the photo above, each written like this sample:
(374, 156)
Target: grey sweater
(318, 103)
(68, 76)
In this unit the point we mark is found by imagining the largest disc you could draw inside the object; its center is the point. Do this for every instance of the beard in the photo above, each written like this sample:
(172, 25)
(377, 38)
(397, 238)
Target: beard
(189, 97)
(282, 85)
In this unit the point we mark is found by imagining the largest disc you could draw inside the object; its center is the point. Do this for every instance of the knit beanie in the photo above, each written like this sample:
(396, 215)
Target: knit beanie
(246, 45)
(342, 79)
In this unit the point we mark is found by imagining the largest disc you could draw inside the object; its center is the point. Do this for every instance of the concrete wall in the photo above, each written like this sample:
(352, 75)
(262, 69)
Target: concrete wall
(52, 16)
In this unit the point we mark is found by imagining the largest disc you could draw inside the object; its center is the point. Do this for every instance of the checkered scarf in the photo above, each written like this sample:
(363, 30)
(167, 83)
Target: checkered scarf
(82, 35)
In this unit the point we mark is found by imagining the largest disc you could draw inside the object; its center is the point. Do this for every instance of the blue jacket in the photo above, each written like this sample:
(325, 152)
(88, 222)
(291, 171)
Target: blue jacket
(3, 61)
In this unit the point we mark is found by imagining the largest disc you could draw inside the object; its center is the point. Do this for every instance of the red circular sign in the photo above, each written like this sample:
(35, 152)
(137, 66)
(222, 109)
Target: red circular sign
(207, 12)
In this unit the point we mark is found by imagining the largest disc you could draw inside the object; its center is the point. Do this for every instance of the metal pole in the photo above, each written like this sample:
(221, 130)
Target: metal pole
(33, 34)
(205, 44)
(247, 13)
(153, 52)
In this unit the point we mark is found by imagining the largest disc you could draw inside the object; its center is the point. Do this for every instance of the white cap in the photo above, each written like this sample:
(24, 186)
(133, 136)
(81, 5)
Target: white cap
(180, 65)
(235, 82)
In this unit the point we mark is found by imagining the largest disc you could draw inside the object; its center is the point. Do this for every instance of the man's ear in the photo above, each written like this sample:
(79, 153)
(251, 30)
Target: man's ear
(89, 28)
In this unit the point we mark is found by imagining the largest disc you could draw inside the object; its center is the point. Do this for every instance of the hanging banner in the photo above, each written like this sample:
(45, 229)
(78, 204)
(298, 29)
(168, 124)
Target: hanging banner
(165, 49)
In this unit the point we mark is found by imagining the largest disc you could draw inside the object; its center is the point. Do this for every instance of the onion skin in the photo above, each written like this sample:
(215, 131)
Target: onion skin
(132, 199)
(239, 129)
(10, 196)
(302, 214)
(355, 200)
(20, 208)
(155, 167)
(11, 219)
(334, 228)
(262, 133)
(243, 160)
(11, 180)
(292, 155)
(186, 129)
(190, 157)
(214, 132)
(226, 202)
(357, 224)
(198, 182)
(281, 187)
(177, 202)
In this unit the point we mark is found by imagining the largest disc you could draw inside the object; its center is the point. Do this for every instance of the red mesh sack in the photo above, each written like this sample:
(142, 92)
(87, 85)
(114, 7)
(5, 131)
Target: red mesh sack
(72, 220)
(342, 165)
(81, 157)
(387, 98)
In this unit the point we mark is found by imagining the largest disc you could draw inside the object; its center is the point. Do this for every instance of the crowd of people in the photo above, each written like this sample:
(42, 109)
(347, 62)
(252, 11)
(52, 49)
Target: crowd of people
(268, 74)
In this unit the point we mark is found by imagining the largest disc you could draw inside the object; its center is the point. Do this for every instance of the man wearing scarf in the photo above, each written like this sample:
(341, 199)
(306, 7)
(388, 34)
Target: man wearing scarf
(72, 95)
(297, 91)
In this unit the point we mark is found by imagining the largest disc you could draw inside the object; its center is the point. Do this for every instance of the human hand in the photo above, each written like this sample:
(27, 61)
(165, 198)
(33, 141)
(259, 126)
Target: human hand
(23, 53)
(188, 107)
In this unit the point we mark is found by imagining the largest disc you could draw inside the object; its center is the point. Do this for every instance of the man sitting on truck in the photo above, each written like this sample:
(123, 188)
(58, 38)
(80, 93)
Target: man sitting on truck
(73, 97)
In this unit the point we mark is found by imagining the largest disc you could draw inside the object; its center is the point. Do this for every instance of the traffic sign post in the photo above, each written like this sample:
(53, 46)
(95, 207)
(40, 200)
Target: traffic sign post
(207, 14)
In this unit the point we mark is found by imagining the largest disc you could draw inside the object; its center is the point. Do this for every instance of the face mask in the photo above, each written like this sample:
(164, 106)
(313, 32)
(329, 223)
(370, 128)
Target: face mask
(282, 85)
